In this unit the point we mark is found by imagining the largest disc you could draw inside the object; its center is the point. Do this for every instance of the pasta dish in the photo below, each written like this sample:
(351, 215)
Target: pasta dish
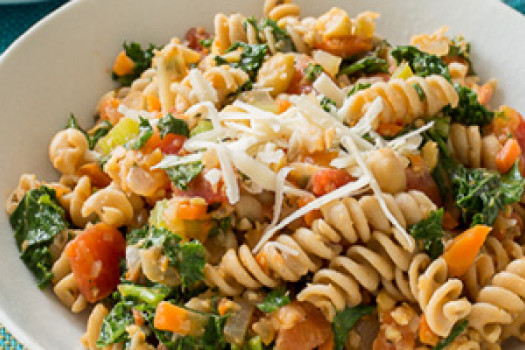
(286, 182)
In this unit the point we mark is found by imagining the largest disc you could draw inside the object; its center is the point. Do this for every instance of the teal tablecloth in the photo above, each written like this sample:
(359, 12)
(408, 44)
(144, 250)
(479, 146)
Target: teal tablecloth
(15, 20)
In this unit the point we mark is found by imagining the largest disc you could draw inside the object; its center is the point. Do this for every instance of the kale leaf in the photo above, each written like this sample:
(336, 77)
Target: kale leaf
(327, 103)
(283, 41)
(145, 132)
(113, 328)
(460, 48)
(187, 258)
(252, 57)
(481, 193)
(141, 58)
(99, 132)
(456, 330)
(358, 87)
(182, 174)
(171, 125)
(420, 92)
(429, 232)
(276, 299)
(366, 65)
(469, 111)
(313, 71)
(345, 320)
(221, 226)
(206, 43)
(37, 219)
(421, 63)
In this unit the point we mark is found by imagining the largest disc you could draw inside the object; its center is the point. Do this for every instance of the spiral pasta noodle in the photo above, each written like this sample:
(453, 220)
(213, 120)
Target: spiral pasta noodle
(498, 302)
(402, 103)
(26, 183)
(471, 149)
(111, 205)
(65, 286)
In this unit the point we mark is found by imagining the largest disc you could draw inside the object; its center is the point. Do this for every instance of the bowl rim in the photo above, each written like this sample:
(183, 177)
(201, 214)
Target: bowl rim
(18, 332)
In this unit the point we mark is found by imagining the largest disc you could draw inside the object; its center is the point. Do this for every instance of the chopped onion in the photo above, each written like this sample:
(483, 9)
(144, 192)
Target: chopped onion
(237, 324)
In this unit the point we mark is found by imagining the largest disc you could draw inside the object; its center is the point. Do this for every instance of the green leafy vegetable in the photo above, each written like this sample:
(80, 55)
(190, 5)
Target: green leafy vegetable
(221, 226)
(345, 320)
(429, 232)
(145, 132)
(100, 131)
(469, 111)
(251, 59)
(171, 125)
(312, 71)
(283, 42)
(481, 193)
(37, 219)
(460, 48)
(206, 43)
(421, 63)
(358, 87)
(182, 174)
(187, 258)
(219, 61)
(113, 328)
(141, 58)
(327, 103)
(278, 33)
(456, 330)
(419, 91)
(276, 299)
(366, 65)
(202, 126)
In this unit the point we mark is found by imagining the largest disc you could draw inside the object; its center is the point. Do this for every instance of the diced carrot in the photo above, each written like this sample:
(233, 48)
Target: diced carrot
(138, 318)
(98, 177)
(224, 306)
(485, 94)
(169, 317)
(152, 103)
(326, 180)
(321, 158)
(449, 222)
(123, 65)
(418, 164)
(462, 251)
(312, 215)
(507, 122)
(60, 189)
(426, 336)
(389, 129)
(507, 156)
(191, 209)
(283, 105)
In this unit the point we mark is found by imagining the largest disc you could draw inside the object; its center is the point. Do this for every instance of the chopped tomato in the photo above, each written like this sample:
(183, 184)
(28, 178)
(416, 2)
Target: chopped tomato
(308, 333)
(507, 122)
(170, 144)
(200, 187)
(327, 180)
(345, 46)
(94, 256)
(299, 83)
(194, 36)
(424, 182)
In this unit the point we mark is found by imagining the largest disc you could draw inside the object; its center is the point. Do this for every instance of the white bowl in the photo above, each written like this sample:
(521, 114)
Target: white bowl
(62, 65)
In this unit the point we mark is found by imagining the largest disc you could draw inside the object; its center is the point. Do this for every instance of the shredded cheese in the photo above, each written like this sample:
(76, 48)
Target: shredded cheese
(346, 190)
(283, 248)
(202, 88)
(279, 194)
(171, 160)
(327, 87)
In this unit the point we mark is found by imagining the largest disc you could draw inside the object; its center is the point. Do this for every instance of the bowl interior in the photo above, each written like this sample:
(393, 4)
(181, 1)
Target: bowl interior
(63, 65)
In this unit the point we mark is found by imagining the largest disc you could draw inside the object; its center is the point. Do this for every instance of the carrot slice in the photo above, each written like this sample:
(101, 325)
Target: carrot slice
(123, 65)
(96, 175)
(152, 103)
(169, 317)
(460, 254)
(283, 105)
(192, 210)
(426, 336)
(507, 156)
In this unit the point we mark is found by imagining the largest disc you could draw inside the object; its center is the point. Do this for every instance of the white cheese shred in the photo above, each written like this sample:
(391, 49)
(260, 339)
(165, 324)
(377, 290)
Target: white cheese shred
(351, 146)
(346, 190)
(279, 194)
(230, 179)
(325, 85)
(202, 88)
(171, 160)
(283, 248)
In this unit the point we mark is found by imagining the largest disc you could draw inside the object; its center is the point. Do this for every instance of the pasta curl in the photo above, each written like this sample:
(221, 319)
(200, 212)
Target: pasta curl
(26, 183)
(69, 150)
(111, 205)
(401, 102)
(471, 149)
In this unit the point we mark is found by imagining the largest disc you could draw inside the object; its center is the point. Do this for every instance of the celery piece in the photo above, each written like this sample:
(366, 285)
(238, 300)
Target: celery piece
(156, 215)
(403, 71)
(255, 343)
(125, 130)
(202, 126)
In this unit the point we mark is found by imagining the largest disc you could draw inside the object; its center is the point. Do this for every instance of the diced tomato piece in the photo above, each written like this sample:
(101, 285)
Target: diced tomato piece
(194, 36)
(200, 187)
(307, 334)
(170, 144)
(327, 180)
(424, 182)
(299, 83)
(94, 256)
(345, 46)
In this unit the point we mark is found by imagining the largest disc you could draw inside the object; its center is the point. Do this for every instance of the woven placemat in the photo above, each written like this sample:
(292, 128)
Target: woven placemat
(7, 341)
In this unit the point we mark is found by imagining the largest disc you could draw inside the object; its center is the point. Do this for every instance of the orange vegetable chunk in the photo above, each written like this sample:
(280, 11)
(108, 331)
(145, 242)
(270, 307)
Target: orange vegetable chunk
(508, 155)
